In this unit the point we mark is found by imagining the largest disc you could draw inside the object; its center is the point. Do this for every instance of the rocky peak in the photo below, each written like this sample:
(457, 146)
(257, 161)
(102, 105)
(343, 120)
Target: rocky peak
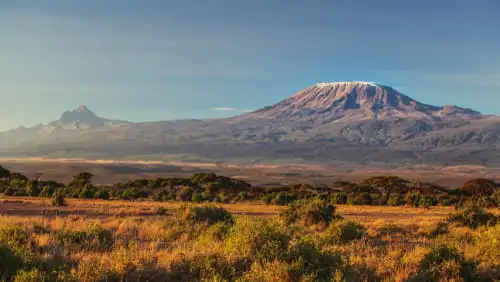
(365, 100)
(81, 115)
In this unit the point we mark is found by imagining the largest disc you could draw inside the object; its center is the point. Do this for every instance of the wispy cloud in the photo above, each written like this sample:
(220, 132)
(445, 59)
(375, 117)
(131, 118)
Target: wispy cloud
(228, 109)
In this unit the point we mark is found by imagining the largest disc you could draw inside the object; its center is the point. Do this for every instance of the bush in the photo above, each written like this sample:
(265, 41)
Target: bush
(445, 264)
(58, 200)
(306, 259)
(12, 236)
(32, 189)
(17, 239)
(433, 230)
(133, 194)
(342, 232)
(9, 263)
(283, 198)
(448, 200)
(33, 275)
(204, 268)
(339, 199)
(101, 194)
(47, 192)
(473, 217)
(196, 197)
(94, 238)
(257, 240)
(186, 194)
(395, 201)
(205, 214)
(363, 198)
(310, 212)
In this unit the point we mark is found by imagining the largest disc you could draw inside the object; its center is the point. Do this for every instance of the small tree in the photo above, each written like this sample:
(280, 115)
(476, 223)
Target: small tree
(81, 179)
(58, 200)
(32, 188)
(388, 184)
(479, 187)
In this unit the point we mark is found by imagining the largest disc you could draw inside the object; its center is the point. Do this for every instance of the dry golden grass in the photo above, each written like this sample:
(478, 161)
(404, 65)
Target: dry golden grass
(152, 247)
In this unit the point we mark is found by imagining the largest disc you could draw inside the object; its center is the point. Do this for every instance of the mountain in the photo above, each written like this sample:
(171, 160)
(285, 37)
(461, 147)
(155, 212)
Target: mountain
(355, 101)
(79, 120)
(83, 118)
(335, 122)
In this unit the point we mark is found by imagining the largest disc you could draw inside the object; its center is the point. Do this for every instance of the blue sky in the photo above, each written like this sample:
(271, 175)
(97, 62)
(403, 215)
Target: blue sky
(156, 60)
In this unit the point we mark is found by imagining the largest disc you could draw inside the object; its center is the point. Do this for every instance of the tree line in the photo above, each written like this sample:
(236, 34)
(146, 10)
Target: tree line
(209, 187)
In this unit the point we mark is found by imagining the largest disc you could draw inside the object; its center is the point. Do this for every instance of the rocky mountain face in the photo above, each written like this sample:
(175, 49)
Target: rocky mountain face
(327, 122)
(83, 118)
(354, 101)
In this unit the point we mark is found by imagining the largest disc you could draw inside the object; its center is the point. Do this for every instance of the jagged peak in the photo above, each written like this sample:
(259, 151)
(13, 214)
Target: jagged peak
(334, 100)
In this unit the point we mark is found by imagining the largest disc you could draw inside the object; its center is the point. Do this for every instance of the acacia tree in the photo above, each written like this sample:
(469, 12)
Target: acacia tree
(479, 187)
(81, 179)
(387, 184)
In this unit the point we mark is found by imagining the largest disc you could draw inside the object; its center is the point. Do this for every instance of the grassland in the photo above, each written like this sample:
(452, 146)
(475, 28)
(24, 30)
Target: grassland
(93, 240)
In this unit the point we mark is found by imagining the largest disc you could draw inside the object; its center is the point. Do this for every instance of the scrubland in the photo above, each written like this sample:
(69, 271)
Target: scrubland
(309, 240)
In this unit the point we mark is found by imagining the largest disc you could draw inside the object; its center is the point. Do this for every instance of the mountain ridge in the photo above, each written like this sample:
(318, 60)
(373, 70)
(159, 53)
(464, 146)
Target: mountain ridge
(341, 121)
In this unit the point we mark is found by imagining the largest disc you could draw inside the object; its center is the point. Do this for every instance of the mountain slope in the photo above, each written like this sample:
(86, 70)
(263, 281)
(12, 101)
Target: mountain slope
(341, 121)
(356, 101)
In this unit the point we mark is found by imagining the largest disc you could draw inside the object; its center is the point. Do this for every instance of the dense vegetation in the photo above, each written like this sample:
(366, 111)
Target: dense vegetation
(308, 242)
(209, 187)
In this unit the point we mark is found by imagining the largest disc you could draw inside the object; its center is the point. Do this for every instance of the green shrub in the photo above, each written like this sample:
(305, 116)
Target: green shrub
(17, 239)
(242, 196)
(101, 194)
(473, 217)
(32, 189)
(306, 259)
(205, 214)
(341, 232)
(363, 198)
(309, 212)
(448, 200)
(433, 230)
(58, 200)
(445, 264)
(205, 268)
(94, 238)
(485, 249)
(47, 192)
(339, 199)
(186, 194)
(9, 263)
(133, 194)
(196, 197)
(86, 193)
(283, 198)
(395, 201)
(257, 240)
(165, 195)
(12, 235)
(33, 275)
(267, 199)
